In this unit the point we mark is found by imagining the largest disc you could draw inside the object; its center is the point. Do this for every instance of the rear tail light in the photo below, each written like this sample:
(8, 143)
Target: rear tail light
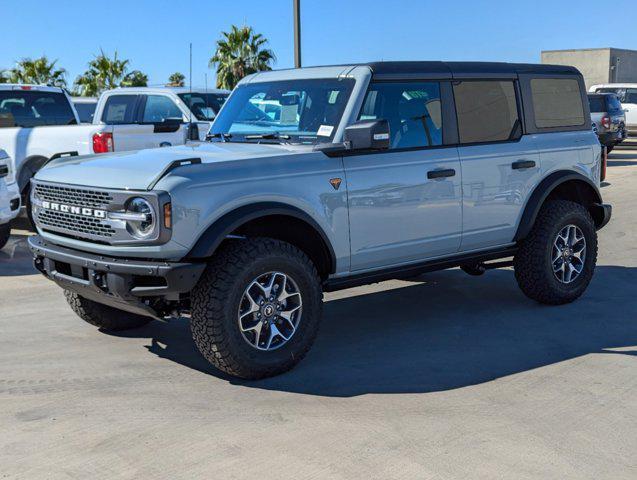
(102, 142)
(602, 172)
(606, 121)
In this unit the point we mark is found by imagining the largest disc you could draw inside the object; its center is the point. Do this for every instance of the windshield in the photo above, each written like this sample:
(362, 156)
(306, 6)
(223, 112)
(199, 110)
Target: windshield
(204, 106)
(300, 111)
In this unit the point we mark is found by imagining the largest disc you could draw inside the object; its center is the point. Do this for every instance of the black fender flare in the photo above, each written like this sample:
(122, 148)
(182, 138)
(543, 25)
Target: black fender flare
(28, 168)
(541, 193)
(210, 240)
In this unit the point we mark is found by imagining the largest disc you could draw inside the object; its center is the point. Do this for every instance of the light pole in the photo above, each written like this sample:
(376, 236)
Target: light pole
(297, 33)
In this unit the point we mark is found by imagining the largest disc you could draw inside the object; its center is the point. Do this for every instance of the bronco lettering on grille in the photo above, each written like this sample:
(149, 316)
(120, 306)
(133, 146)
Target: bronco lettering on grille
(87, 212)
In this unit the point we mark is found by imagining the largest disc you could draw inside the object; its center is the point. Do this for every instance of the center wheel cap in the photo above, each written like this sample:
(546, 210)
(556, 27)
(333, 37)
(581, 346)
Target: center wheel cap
(268, 310)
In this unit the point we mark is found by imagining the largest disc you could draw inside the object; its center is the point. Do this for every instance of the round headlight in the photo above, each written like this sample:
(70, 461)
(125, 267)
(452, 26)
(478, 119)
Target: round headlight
(143, 227)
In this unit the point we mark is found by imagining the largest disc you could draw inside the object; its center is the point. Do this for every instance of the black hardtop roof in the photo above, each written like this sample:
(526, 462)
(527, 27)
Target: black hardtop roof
(463, 68)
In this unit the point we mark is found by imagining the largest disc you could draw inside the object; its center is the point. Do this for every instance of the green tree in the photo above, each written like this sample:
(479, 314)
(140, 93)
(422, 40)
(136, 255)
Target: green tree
(240, 52)
(104, 73)
(135, 79)
(177, 79)
(39, 71)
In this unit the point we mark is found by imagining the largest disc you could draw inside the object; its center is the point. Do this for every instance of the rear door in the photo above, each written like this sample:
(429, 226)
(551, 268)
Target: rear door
(500, 166)
(121, 112)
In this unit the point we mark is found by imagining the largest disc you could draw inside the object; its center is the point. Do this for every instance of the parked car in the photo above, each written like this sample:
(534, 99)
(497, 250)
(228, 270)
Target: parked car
(85, 107)
(608, 118)
(9, 197)
(40, 123)
(627, 93)
(370, 172)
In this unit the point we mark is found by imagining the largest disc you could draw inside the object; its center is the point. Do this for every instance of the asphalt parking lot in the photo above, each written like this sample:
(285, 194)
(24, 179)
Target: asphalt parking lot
(455, 377)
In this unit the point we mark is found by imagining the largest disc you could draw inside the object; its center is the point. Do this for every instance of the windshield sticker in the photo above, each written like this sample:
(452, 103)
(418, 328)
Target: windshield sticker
(325, 130)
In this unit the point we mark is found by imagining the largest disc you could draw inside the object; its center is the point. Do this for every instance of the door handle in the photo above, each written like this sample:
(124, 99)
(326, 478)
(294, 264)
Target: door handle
(522, 164)
(165, 144)
(449, 172)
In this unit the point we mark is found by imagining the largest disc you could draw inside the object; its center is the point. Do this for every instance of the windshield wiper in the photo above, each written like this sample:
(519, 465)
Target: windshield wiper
(267, 136)
(223, 136)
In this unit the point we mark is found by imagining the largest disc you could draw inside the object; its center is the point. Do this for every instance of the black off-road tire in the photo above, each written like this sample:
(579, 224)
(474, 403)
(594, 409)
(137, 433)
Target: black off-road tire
(532, 262)
(103, 316)
(216, 301)
(5, 233)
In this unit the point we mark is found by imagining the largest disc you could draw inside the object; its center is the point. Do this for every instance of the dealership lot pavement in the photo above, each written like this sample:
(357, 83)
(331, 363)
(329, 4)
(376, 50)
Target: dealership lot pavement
(455, 377)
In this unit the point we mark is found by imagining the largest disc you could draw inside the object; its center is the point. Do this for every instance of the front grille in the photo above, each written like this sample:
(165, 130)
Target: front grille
(75, 223)
(71, 223)
(79, 197)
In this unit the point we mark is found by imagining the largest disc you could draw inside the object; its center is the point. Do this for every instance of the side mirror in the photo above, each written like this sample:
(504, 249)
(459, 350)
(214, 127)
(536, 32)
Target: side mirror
(193, 132)
(368, 135)
(169, 125)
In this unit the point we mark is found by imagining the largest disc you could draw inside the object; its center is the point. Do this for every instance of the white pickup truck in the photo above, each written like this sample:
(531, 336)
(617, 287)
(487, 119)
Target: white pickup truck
(38, 123)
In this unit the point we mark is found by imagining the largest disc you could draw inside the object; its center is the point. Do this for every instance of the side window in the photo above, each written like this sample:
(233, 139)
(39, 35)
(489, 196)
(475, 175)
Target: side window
(557, 102)
(487, 111)
(158, 108)
(119, 109)
(631, 95)
(412, 109)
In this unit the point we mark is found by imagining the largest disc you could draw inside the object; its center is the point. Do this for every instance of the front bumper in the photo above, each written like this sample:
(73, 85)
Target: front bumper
(136, 286)
(9, 202)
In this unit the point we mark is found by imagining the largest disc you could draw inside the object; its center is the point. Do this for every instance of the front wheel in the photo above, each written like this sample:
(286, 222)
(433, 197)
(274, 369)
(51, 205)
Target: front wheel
(257, 307)
(103, 316)
(555, 263)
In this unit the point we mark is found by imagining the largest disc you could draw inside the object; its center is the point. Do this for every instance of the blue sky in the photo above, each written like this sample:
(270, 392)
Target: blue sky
(155, 35)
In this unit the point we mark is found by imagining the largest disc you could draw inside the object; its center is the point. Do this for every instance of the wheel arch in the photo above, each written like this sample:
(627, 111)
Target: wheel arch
(567, 185)
(265, 219)
(28, 168)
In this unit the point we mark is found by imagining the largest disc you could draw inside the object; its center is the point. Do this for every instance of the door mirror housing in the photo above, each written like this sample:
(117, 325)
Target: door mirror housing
(168, 125)
(368, 135)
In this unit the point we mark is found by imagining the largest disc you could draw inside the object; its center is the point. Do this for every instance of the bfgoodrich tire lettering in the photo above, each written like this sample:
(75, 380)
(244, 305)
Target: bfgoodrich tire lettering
(533, 261)
(103, 316)
(217, 298)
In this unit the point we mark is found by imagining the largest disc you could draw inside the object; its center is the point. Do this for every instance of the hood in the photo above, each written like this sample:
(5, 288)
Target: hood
(140, 170)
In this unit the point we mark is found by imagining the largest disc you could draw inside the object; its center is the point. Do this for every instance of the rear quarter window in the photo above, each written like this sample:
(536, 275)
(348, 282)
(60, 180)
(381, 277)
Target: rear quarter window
(557, 102)
(120, 109)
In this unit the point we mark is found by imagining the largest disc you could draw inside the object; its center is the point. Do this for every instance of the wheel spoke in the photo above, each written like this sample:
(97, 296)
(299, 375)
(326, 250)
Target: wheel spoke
(254, 306)
(287, 314)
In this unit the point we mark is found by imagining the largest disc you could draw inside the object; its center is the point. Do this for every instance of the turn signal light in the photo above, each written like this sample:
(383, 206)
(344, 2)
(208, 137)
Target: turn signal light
(168, 215)
(103, 142)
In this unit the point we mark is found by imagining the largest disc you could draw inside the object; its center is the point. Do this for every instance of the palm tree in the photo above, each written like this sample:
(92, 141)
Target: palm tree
(135, 79)
(105, 73)
(177, 79)
(240, 52)
(39, 71)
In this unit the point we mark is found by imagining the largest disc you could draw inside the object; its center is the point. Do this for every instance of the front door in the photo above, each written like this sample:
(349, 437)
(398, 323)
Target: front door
(404, 203)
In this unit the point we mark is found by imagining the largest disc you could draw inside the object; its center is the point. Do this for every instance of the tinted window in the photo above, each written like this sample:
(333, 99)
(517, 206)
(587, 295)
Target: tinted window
(119, 109)
(204, 106)
(158, 108)
(486, 110)
(20, 108)
(557, 102)
(85, 111)
(412, 110)
(631, 95)
(596, 103)
(304, 111)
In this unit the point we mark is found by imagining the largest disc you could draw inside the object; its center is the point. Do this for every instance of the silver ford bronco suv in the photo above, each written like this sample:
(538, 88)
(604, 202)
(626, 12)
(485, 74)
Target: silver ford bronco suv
(324, 178)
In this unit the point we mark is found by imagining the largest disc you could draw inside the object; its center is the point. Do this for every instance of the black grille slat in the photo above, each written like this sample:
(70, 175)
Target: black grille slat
(75, 197)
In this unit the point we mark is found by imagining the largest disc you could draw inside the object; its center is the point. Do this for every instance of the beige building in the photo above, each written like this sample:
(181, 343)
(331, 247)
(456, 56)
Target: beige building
(598, 65)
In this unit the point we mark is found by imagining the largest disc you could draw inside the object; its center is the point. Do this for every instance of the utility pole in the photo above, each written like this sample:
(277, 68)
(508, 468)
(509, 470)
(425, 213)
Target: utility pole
(297, 33)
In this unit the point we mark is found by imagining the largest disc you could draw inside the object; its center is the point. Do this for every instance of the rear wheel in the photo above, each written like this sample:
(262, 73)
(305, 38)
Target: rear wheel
(103, 316)
(555, 263)
(257, 307)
